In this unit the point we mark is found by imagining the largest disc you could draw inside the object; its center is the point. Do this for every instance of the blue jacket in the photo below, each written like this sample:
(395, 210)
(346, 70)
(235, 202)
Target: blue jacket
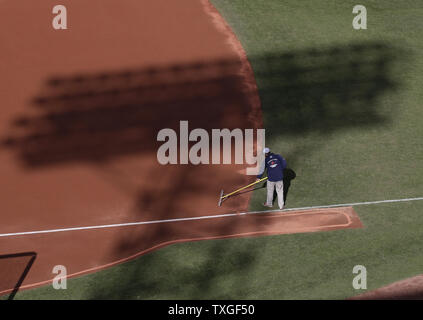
(274, 163)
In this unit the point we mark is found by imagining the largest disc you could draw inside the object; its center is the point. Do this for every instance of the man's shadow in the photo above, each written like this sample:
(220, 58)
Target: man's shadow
(288, 176)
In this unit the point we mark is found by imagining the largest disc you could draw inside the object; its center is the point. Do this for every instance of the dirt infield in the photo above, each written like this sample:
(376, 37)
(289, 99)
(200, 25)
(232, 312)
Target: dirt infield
(81, 109)
(408, 289)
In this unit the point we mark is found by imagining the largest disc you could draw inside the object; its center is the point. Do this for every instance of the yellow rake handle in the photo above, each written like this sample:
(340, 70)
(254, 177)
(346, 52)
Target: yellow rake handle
(240, 189)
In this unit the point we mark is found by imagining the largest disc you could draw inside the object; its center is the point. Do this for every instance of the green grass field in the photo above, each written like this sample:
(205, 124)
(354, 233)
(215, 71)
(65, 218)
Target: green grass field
(343, 106)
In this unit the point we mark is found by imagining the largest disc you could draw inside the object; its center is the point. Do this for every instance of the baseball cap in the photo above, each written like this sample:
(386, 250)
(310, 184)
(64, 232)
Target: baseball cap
(266, 150)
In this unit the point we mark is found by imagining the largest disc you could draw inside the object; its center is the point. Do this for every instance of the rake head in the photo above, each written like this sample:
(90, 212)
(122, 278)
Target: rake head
(220, 198)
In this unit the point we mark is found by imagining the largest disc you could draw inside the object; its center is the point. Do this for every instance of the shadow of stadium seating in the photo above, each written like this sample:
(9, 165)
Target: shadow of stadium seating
(95, 117)
(324, 90)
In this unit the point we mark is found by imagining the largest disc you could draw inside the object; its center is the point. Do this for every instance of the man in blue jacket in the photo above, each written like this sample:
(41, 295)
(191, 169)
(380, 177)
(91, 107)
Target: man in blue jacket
(275, 164)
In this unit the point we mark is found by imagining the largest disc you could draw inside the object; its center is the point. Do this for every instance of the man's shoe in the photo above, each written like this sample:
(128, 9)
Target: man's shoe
(266, 205)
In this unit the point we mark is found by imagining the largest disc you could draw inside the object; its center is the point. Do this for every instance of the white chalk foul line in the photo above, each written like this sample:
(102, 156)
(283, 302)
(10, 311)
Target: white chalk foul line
(202, 217)
(344, 205)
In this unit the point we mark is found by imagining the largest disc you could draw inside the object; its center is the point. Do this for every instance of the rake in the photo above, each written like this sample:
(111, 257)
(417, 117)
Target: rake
(224, 197)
